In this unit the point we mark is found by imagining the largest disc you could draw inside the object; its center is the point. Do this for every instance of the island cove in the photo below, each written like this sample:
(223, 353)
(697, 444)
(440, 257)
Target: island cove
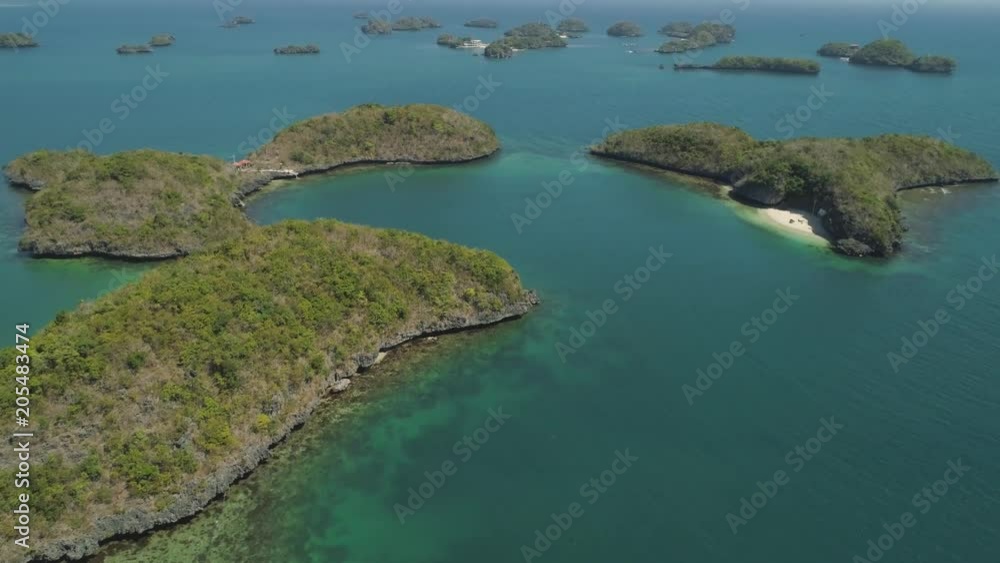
(160, 395)
(153, 205)
(850, 183)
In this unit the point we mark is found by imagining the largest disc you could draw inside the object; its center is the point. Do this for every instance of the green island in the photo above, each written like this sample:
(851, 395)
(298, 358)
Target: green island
(895, 53)
(297, 50)
(242, 20)
(625, 29)
(158, 396)
(453, 41)
(162, 40)
(377, 27)
(134, 50)
(524, 37)
(691, 38)
(137, 205)
(850, 183)
(758, 64)
(484, 23)
(16, 41)
(572, 26)
(415, 24)
(145, 205)
(840, 50)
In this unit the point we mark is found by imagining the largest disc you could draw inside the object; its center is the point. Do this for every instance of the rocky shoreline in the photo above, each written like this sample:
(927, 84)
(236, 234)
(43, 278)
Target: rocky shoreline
(204, 491)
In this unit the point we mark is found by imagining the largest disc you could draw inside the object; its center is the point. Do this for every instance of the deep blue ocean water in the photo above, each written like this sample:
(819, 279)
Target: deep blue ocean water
(330, 493)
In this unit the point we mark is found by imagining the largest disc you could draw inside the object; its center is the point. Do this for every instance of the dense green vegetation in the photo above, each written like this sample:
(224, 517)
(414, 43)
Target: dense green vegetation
(527, 36)
(483, 23)
(681, 30)
(375, 133)
(162, 40)
(838, 50)
(415, 24)
(137, 204)
(572, 25)
(297, 50)
(453, 41)
(16, 41)
(377, 27)
(150, 205)
(895, 53)
(758, 64)
(701, 36)
(134, 49)
(933, 63)
(625, 29)
(851, 182)
(146, 392)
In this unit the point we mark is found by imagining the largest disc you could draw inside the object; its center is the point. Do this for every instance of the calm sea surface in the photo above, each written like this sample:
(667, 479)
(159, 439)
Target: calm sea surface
(331, 492)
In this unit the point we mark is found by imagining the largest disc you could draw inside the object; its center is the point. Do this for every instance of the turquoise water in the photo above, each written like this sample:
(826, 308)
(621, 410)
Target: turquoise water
(330, 493)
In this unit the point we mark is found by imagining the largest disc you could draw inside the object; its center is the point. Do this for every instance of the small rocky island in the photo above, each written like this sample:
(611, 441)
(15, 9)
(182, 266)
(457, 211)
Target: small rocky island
(895, 53)
(456, 42)
(415, 24)
(524, 37)
(483, 23)
(572, 26)
(839, 50)
(361, 15)
(690, 37)
(134, 50)
(758, 64)
(297, 50)
(162, 40)
(850, 183)
(150, 205)
(625, 29)
(166, 391)
(238, 21)
(16, 41)
(377, 27)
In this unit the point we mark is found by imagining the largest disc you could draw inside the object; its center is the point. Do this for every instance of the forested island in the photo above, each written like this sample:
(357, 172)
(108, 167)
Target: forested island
(147, 204)
(16, 41)
(377, 27)
(625, 29)
(162, 40)
(415, 24)
(758, 64)
(238, 21)
(158, 396)
(895, 53)
(572, 25)
(842, 50)
(297, 50)
(527, 36)
(134, 50)
(482, 23)
(850, 183)
(691, 37)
